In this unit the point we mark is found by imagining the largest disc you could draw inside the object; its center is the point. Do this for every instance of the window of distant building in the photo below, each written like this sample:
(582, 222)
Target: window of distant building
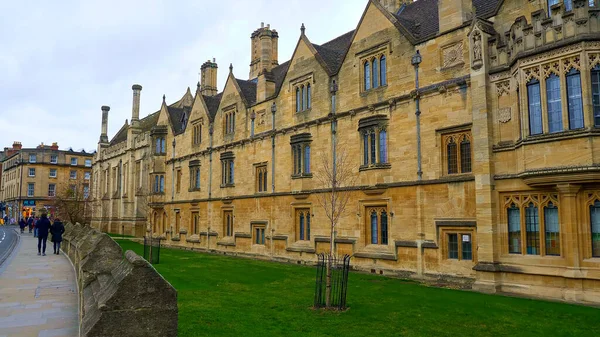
(194, 175)
(53, 159)
(88, 163)
(228, 223)
(303, 224)
(51, 190)
(52, 173)
(32, 172)
(197, 133)
(258, 234)
(374, 141)
(227, 166)
(457, 152)
(73, 174)
(74, 161)
(377, 225)
(301, 155)
(260, 171)
(30, 189)
(32, 158)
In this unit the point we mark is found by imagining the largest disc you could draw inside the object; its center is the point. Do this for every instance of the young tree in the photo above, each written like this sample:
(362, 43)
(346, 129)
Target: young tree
(336, 177)
(72, 201)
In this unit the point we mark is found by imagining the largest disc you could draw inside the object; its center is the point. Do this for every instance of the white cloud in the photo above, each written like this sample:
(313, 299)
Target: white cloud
(61, 60)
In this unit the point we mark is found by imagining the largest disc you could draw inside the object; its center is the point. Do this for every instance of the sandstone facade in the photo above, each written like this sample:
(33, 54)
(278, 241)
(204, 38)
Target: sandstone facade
(486, 173)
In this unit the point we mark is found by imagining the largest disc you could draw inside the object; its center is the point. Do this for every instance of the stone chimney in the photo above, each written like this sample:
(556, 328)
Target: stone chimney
(208, 80)
(453, 13)
(17, 146)
(54, 146)
(263, 56)
(393, 6)
(135, 110)
(103, 133)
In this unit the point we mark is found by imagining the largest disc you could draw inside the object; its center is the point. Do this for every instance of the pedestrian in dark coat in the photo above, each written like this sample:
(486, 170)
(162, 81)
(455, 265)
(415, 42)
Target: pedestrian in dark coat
(43, 226)
(56, 230)
(30, 224)
(22, 224)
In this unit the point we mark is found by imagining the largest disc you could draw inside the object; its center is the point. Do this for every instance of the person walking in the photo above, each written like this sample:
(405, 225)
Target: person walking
(56, 230)
(30, 223)
(35, 230)
(22, 225)
(43, 226)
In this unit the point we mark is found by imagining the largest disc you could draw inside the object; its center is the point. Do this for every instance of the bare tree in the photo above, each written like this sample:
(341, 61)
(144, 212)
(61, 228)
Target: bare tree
(336, 177)
(72, 201)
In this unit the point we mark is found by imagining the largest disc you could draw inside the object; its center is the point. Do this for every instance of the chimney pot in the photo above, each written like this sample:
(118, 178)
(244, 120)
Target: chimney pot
(262, 25)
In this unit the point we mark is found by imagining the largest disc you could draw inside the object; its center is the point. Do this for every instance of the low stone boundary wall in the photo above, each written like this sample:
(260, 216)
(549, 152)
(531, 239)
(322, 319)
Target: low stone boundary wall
(118, 296)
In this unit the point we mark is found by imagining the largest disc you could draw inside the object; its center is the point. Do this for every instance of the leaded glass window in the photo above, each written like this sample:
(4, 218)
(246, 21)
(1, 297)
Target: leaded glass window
(574, 99)
(595, 223)
(375, 73)
(367, 73)
(596, 94)
(378, 225)
(298, 100)
(373, 148)
(514, 230)
(453, 246)
(303, 98)
(465, 155)
(374, 141)
(554, 103)
(303, 223)
(466, 247)
(452, 157)
(383, 70)
(307, 159)
(552, 229)
(374, 228)
(308, 98)
(382, 146)
(366, 148)
(532, 228)
(535, 107)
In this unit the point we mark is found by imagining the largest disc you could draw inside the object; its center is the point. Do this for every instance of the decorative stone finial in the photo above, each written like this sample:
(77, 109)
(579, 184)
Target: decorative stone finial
(302, 29)
(105, 108)
(230, 67)
(164, 98)
(198, 85)
(136, 87)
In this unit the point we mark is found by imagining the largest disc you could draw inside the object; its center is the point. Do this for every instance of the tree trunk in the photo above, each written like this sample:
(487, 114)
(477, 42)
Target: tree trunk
(329, 267)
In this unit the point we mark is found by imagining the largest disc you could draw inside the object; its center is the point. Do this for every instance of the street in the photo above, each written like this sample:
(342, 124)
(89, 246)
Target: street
(8, 236)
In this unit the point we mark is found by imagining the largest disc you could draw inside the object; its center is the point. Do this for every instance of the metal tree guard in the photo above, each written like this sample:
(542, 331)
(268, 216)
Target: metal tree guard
(339, 281)
(152, 249)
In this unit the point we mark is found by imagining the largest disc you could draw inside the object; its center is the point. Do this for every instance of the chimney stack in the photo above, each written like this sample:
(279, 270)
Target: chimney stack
(208, 79)
(54, 146)
(103, 134)
(17, 146)
(264, 50)
(135, 111)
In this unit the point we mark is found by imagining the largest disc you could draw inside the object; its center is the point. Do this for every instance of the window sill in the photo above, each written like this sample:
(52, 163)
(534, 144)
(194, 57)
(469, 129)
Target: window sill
(227, 185)
(160, 154)
(304, 111)
(192, 190)
(364, 92)
(458, 174)
(379, 166)
(302, 176)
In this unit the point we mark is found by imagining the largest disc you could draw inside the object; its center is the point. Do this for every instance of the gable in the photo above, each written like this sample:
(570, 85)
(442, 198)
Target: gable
(373, 21)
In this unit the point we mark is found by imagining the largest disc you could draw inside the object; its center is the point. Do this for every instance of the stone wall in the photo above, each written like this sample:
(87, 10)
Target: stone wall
(118, 295)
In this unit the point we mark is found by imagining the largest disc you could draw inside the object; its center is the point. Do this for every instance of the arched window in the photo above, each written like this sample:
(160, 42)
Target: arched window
(303, 98)
(307, 159)
(465, 155)
(367, 73)
(596, 94)
(302, 226)
(452, 157)
(384, 228)
(552, 229)
(382, 146)
(366, 148)
(514, 229)
(595, 223)
(375, 73)
(575, 104)
(554, 103)
(535, 107)
(298, 100)
(308, 98)
(382, 70)
(532, 229)
(374, 228)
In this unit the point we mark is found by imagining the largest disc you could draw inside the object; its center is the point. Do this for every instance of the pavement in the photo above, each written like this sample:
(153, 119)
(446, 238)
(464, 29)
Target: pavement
(38, 294)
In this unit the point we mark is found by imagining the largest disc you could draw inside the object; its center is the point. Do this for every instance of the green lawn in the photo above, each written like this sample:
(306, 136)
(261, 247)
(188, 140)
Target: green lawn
(227, 296)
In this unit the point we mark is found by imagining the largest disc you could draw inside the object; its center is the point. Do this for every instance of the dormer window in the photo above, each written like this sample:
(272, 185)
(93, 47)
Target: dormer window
(303, 97)
(229, 122)
(374, 72)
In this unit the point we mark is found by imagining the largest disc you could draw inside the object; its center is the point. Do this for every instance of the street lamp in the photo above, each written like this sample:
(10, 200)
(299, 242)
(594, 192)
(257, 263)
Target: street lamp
(415, 61)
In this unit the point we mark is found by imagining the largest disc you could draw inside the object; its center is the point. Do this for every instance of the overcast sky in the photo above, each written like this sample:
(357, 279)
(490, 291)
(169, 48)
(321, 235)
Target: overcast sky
(60, 61)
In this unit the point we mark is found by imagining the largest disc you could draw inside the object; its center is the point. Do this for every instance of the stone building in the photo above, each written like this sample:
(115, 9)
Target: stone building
(31, 177)
(484, 170)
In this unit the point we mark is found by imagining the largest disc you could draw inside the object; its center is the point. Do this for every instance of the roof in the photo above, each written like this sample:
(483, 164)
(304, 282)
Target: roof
(212, 104)
(333, 52)
(121, 135)
(279, 73)
(175, 116)
(421, 18)
(248, 90)
(149, 121)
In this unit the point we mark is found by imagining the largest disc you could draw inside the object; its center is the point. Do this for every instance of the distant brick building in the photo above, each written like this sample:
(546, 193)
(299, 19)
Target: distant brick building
(32, 177)
(486, 173)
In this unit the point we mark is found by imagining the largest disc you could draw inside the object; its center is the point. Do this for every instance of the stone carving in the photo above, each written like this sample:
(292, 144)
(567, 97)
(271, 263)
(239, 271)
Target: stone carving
(452, 55)
(504, 115)
(571, 63)
(530, 73)
(594, 60)
(477, 52)
(503, 88)
(118, 297)
(551, 68)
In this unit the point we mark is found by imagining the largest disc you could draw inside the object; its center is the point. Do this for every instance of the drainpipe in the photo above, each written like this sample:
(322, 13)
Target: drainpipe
(210, 153)
(273, 111)
(173, 173)
(333, 90)
(416, 60)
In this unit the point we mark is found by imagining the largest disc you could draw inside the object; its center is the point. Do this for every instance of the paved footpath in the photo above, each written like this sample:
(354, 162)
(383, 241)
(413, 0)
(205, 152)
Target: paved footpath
(38, 294)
